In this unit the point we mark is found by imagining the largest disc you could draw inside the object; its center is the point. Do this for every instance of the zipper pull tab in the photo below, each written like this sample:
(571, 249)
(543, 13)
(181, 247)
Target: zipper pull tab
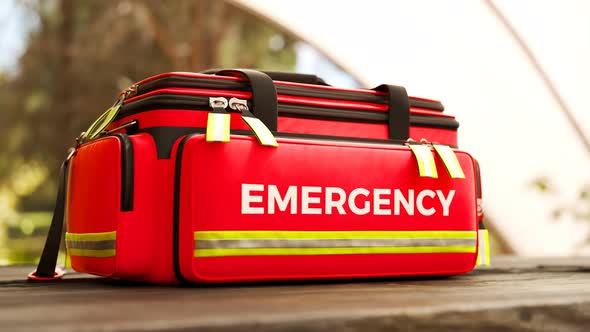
(261, 131)
(218, 121)
(450, 160)
(424, 158)
(98, 126)
(483, 245)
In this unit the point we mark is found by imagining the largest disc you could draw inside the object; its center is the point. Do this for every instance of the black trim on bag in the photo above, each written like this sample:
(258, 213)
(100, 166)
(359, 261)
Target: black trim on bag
(176, 212)
(211, 83)
(127, 172)
(477, 179)
(348, 115)
(188, 102)
(165, 137)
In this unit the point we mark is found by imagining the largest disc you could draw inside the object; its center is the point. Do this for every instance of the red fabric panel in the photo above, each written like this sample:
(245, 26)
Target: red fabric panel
(93, 201)
(210, 197)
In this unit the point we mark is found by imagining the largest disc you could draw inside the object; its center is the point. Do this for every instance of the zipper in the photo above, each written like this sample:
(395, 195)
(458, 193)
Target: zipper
(176, 207)
(238, 105)
(284, 89)
(218, 104)
(127, 172)
(186, 102)
(130, 91)
(166, 137)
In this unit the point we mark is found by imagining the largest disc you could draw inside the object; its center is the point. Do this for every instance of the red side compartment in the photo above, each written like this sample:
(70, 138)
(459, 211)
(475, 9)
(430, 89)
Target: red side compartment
(94, 198)
(233, 220)
(117, 184)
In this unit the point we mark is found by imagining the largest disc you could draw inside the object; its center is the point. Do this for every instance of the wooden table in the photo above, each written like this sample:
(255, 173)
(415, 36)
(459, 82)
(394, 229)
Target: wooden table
(515, 294)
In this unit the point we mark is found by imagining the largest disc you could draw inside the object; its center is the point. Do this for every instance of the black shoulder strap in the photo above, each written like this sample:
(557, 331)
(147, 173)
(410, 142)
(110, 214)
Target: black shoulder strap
(47, 262)
(264, 95)
(399, 111)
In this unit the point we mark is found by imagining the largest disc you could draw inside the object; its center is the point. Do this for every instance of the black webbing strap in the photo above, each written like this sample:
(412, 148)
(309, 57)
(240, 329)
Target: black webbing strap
(48, 260)
(399, 111)
(264, 95)
(295, 77)
(284, 76)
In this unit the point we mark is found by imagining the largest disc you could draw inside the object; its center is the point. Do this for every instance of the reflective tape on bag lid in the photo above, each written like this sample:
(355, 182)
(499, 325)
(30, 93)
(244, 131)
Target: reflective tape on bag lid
(262, 133)
(218, 121)
(262, 243)
(425, 160)
(98, 126)
(450, 160)
(218, 127)
(483, 256)
(91, 244)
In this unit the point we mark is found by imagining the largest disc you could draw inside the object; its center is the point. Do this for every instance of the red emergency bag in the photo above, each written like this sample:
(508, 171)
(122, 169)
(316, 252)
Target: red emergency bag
(229, 176)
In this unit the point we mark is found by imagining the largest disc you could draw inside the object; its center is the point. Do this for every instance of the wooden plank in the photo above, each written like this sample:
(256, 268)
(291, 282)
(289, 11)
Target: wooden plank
(515, 294)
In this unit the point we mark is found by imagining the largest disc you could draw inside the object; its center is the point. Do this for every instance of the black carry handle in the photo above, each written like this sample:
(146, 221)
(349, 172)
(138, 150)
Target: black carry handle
(264, 94)
(296, 78)
(399, 111)
(284, 76)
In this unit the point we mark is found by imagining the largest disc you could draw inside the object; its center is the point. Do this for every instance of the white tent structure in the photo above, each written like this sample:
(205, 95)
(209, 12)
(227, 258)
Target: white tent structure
(465, 54)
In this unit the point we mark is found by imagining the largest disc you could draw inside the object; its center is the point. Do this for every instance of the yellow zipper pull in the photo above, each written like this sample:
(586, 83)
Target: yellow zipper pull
(218, 121)
(261, 131)
(98, 126)
(450, 160)
(424, 158)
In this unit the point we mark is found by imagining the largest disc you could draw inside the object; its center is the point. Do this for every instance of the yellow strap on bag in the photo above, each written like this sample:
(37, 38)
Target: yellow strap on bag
(425, 160)
(91, 244)
(448, 157)
(483, 244)
(483, 238)
(218, 121)
(218, 125)
(261, 131)
(262, 243)
(102, 122)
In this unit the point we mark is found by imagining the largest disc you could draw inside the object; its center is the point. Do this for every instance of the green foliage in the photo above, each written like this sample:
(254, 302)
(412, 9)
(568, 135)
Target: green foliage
(84, 52)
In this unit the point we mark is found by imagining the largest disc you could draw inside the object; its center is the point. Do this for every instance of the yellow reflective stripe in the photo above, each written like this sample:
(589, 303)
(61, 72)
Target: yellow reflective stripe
(330, 251)
(91, 236)
(237, 235)
(262, 133)
(425, 160)
(103, 121)
(450, 160)
(218, 127)
(91, 252)
(90, 240)
(483, 256)
(91, 131)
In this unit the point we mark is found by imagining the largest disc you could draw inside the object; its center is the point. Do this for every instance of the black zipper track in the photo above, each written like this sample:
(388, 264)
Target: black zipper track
(211, 83)
(477, 179)
(188, 102)
(176, 212)
(480, 223)
(127, 172)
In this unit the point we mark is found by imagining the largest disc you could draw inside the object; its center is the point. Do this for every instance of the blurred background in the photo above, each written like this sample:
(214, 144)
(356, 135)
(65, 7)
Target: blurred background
(516, 75)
